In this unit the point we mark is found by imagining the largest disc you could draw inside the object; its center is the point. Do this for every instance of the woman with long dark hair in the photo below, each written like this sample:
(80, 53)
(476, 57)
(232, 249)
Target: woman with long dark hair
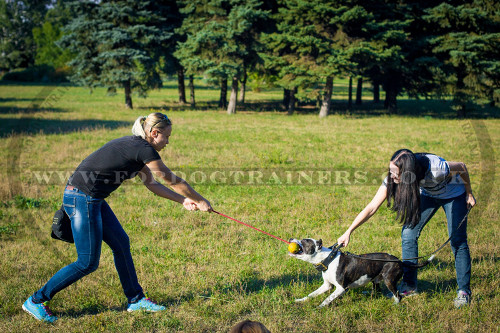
(416, 186)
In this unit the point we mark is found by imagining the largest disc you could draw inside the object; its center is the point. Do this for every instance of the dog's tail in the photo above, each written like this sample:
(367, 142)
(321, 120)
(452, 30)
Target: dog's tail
(425, 263)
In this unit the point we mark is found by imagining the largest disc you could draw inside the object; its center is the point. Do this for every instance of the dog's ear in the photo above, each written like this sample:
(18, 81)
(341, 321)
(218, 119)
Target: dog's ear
(319, 243)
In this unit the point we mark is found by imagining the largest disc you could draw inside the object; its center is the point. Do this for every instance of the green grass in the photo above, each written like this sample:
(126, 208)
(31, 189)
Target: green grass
(211, 272)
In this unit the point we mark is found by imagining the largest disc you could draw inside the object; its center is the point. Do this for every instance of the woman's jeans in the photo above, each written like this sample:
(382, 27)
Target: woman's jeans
(455, 210)
(93, 221)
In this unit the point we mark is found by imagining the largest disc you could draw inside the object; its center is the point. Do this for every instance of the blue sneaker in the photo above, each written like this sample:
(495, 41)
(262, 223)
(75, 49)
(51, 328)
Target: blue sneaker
(145, 304)
(39, 311)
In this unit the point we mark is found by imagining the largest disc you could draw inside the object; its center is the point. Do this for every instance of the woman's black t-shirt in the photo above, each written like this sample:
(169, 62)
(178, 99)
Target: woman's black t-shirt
(104, 170)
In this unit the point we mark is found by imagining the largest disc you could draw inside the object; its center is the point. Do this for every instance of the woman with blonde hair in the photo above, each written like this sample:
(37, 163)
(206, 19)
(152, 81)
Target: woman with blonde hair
(93, 221)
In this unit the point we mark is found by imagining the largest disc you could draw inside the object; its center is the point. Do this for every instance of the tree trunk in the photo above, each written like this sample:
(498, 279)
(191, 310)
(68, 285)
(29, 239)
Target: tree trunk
(460, 98)
(191, 90)
(231, 109)
(349, 102)
(128, 94)
(462, 111)
(181, 87)
(359, 91)
(376, 92)
(223, 94)
(327, 97)
(243, 88)
(391, 103)
(286, 98)
(291, 102)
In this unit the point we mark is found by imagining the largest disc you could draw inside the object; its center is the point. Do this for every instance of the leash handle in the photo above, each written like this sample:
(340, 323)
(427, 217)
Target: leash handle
(248, 225)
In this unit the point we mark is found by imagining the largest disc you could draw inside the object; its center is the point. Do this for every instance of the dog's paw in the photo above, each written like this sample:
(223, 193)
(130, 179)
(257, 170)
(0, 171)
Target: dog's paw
(322, 305)
(300, 300)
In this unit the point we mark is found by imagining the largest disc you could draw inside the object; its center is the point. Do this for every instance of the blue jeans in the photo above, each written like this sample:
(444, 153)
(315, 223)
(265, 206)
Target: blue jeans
(455, 210)
(92, 222)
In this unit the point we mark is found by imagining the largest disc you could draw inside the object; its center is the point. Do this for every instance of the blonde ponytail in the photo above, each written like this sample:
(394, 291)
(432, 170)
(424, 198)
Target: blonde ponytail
(138, 128)
(144, 125)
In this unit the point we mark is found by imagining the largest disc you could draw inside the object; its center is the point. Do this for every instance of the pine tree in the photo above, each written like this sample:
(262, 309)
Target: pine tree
(115, 45)
(168, 25)
(221, 41)
(191, 52)
(307, 49)
(379, 48)
(467, 42)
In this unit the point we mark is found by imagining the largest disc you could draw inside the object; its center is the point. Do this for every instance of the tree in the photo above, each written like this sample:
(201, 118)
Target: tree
(379, 35)
(49, 33)
(190, 50)
(307, 49)
(169, 26)
(221, 41)
(47, 51)
(17, 20)
(114, 43)
(467, 44)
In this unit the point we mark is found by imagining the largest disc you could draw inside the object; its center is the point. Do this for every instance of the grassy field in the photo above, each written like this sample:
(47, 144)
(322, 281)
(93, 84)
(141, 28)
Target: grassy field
(293, 176)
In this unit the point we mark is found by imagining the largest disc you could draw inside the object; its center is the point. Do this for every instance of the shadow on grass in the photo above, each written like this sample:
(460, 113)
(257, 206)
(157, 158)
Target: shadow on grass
(253, 284)
(90, 310)
(28, 110)
(13, 99)
(12, 126)
(174, 86)
(201, 106)
(439, 109)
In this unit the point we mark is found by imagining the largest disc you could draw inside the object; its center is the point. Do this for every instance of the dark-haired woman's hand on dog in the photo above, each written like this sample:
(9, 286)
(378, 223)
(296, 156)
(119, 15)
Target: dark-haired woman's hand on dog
(344, 239)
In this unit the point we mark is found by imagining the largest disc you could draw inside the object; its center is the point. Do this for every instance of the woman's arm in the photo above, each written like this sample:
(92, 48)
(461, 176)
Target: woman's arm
(182, 189)
(461, 169)
(365, 214)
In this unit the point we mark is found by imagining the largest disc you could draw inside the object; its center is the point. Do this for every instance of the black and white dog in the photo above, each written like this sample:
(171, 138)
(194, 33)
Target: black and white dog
(346, 271)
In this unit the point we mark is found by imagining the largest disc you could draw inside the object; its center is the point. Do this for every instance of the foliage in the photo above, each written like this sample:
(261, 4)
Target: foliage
(221, 37)
(114, 45)
(48, 53)
(305, 46)
(40, 73)
(49, 33)
(17, 20)
(171, 19)
(467, 43)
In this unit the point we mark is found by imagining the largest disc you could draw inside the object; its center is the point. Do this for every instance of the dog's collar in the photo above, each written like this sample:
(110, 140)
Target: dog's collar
(323, 266)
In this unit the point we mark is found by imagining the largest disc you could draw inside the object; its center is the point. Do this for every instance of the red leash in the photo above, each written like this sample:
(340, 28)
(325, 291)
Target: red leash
(248, 225)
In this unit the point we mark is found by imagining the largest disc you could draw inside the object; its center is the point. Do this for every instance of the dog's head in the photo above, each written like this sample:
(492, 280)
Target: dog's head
(309, 248)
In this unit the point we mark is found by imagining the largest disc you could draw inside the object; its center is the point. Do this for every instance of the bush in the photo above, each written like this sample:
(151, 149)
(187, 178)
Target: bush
(40, 73)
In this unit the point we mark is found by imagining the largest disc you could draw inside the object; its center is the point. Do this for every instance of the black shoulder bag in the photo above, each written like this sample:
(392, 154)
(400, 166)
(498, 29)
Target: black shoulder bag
(61, 226)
